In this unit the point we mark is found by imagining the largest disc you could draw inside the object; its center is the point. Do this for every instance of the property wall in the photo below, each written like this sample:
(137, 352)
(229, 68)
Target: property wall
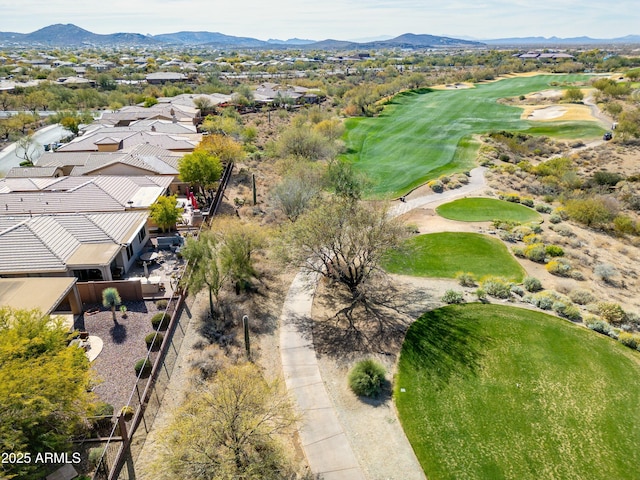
(91, 292)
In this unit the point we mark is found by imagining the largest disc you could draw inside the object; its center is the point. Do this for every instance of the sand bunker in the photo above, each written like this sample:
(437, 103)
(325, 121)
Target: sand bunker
(546, 113)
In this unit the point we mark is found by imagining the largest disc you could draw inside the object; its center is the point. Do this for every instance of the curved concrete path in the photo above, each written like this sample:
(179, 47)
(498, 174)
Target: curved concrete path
(323, 438)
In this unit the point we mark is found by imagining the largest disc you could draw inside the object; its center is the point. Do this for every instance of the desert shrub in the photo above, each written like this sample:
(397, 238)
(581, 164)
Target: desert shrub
(590, 211)
(506, 236)
(576, 275)
(143, 367)
(561, 212)
(535, 227)
(532, 284)
(162, 304)
(607, 178)
(612, 312)
(582, 296)
(452, 296)
(95, 454)
(366, 378)
(153, 341)
(624, 225)
(481, 294)
(631, 340)
(436, 186)
(605, 272)
(527, 201)
(554, 251)
(518, 290)
(532, 239)
(562, 230)
(518, 251)
(599, 326)
(555, 218)
(559, 266)
(535, 252)
(444, 179)
(571, 312)
(543, 208)
(496, 287)
(510, 197)
(542, 300)
(522, 231)
(466, 279)
(160, 321)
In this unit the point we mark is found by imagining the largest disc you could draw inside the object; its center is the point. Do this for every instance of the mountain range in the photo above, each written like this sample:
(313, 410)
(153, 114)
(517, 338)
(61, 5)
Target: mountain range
(72, 35)
(60, 35)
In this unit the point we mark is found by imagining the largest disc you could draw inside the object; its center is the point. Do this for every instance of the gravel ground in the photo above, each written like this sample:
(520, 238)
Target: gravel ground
(123, 345)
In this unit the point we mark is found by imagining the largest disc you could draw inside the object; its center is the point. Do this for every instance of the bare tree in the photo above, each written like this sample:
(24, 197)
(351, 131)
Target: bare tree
(29, 150)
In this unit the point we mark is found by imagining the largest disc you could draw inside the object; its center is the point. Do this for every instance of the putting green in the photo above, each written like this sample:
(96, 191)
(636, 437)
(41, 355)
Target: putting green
(497, 392)
(442, 255)
(486, 210)
(420, 136)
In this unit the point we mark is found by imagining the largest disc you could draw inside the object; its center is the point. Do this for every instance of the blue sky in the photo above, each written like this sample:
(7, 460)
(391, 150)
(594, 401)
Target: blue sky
(338, 19)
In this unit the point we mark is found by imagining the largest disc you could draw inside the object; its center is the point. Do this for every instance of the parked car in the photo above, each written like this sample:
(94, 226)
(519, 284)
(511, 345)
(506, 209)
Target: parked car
(607, 136)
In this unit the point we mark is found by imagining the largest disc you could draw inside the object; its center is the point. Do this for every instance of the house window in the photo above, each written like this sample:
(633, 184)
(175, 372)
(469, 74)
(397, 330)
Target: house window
(141, 234)
(129, 251)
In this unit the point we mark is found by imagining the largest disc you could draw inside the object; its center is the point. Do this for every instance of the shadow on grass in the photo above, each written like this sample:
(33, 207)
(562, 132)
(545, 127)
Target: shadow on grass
(444, 343)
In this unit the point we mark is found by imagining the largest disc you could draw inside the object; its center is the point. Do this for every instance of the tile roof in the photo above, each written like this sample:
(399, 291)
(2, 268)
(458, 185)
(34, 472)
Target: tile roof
(50, 243)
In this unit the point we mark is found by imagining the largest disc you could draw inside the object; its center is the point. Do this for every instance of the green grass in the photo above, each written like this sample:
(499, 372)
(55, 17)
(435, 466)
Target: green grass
(497, 392)
(420, 136)
(487, 209)
(442, 255)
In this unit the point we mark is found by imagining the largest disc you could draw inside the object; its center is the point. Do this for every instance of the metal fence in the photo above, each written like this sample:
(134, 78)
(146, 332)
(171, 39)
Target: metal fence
(124, 445)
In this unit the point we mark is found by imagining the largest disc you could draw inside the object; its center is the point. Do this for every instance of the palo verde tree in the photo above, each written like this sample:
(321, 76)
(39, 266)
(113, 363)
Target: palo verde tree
(200, 168)
(29, 150)
(228, 430)
(343, 241)
(44, 399)
(205, 267)
(165, 212)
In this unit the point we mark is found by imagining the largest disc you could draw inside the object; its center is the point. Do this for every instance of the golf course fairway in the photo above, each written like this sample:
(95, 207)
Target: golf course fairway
(420, 136)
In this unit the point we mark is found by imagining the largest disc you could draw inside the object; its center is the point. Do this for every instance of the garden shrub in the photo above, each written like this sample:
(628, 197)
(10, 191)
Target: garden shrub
(582, 296)
(555, 218)
(535, 227)
(554, 251)
(143, 367)
(518, 251)
(466, 279)
(506, 236)
(535, 252)
(611, 312)
(160, 321)
(496, 287)
(481, 294)
(542, 300)
(366, 378)
(572, 313)
(153, 341)
(510, 197)
(518, 290)
(162, 304)
(452, 296)
(532, 284)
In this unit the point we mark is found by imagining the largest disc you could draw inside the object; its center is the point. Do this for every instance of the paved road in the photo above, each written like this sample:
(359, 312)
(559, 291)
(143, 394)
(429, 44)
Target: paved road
(50, 134)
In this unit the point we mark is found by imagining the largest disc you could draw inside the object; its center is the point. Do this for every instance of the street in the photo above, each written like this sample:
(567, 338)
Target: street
(50, 134)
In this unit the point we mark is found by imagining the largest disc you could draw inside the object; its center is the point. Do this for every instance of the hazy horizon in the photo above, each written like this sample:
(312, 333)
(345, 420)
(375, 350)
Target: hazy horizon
(336, 19)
